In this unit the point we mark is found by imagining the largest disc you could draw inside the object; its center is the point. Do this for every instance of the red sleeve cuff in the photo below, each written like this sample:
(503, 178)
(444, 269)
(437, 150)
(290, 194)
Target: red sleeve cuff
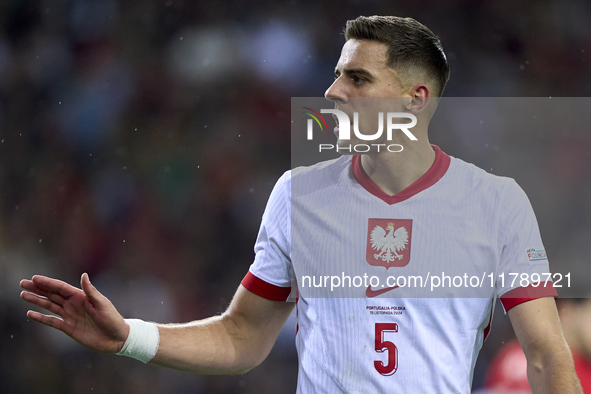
(265, 289)
(530, 292)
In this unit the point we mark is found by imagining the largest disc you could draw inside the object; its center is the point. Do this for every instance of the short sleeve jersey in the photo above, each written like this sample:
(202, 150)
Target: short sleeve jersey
(330, 220)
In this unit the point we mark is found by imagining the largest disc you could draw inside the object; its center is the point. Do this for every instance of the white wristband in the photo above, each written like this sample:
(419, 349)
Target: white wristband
(142, 341)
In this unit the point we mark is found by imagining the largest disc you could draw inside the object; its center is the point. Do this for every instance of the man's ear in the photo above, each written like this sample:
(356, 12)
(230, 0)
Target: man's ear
(420, 97)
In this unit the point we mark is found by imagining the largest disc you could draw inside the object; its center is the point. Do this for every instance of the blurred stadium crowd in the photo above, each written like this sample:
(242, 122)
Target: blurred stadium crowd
(139, 142)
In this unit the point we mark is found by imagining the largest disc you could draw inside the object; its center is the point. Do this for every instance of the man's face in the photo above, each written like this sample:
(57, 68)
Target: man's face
(364, 83)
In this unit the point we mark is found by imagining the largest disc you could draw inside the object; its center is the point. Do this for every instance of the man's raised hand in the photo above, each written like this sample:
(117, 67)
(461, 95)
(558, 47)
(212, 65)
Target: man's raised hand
(84, 314)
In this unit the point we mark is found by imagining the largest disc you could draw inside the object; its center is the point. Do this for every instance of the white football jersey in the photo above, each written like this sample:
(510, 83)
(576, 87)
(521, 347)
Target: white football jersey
(474, 232)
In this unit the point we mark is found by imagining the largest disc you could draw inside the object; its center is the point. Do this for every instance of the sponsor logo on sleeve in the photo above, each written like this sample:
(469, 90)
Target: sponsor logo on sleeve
(534, 255)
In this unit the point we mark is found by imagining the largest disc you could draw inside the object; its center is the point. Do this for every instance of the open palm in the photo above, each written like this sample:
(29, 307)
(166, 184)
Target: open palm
(84, 314)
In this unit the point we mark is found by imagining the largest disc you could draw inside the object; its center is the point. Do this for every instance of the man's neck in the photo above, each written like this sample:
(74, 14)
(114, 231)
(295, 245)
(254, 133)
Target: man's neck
(394, 172)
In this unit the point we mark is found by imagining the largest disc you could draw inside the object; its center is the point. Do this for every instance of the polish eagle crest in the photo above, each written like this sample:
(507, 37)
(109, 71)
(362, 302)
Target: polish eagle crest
(388, 242)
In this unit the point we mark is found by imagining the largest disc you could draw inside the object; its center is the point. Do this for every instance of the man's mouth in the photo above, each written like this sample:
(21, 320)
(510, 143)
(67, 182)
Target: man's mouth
(336, 120)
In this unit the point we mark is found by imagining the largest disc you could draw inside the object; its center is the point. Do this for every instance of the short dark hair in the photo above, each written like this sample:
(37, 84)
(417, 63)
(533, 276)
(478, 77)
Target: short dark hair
(410, 44)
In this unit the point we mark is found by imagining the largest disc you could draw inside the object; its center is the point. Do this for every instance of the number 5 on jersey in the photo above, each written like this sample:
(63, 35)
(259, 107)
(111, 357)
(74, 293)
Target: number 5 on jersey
(382, 345)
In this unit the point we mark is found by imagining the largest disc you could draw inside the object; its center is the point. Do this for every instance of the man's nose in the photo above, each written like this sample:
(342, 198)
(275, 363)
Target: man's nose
(336, 92)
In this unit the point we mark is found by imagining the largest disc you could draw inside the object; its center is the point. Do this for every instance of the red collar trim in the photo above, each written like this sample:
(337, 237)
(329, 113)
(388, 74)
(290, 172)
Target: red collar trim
(428, 179)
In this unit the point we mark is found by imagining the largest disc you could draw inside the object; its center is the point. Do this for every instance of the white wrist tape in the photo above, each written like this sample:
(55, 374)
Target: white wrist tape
(142, 341)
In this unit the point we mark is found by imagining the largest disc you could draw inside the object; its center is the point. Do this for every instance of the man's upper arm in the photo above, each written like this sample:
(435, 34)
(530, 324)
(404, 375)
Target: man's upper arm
(259, 308)
(258, 319)
(537, 326)
(550, 366)
(523, 263)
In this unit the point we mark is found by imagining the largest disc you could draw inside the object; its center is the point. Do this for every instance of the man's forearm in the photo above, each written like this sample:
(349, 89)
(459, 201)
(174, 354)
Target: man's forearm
(554, 373)
(232, 343)
(215, 345)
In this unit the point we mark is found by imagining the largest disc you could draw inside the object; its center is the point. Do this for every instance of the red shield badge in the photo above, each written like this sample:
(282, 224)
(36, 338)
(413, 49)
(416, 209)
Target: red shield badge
(388, 242)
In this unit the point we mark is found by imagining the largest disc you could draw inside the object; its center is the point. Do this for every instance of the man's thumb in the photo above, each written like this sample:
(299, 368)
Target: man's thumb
(91, 292)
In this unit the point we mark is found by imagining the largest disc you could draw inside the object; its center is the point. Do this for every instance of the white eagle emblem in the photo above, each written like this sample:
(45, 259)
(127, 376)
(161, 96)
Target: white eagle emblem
(388, 244)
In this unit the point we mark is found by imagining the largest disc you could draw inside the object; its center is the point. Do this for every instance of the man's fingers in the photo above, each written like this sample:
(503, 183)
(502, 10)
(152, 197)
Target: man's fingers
(50, 321)
(35, 289)
(42, 302)
(54, 285)
(95, 297)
